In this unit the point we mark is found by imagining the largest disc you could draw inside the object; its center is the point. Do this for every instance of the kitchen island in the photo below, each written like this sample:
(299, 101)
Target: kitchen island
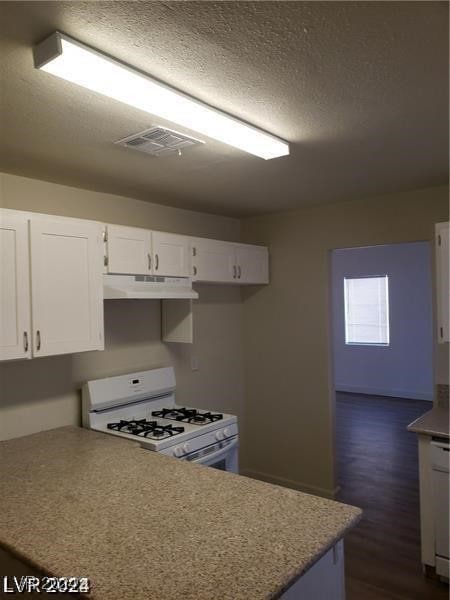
(145, 526)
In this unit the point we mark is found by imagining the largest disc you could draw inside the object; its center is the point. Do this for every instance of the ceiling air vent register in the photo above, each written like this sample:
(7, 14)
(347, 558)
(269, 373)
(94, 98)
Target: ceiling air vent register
(159, 141)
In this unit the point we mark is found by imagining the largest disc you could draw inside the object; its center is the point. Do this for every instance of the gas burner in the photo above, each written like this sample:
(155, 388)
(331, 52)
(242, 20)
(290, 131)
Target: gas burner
(148, 429)
(167, 413)
(188, 415)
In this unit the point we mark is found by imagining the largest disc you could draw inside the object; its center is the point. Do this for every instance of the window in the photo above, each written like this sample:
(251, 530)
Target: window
(367, 310)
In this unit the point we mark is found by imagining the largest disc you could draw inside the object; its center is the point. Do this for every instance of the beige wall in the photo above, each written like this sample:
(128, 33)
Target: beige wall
(287, 328)
(44, 393)
(285, 325)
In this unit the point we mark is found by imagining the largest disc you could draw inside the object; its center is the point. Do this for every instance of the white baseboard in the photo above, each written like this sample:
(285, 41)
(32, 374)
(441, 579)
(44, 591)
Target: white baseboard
(370, 391)
(289, 483)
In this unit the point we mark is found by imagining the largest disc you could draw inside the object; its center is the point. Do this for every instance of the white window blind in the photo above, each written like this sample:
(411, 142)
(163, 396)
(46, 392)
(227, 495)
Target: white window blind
(367, 310)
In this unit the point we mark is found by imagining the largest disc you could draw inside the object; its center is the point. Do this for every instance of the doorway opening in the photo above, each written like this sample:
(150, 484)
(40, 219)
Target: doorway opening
(382, 347)
(383, 320)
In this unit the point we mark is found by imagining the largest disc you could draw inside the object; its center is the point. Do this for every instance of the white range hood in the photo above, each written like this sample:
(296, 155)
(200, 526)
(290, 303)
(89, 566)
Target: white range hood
(151, 287)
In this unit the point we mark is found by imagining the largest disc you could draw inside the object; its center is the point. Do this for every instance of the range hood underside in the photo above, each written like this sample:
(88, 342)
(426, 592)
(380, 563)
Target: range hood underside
(116, 287)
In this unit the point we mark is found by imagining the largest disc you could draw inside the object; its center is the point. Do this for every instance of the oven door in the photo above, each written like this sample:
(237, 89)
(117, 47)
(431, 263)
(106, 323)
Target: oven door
(223, 456)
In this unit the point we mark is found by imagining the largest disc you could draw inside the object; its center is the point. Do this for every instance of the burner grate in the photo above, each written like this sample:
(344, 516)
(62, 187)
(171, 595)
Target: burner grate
(143, 428)
(188, 415)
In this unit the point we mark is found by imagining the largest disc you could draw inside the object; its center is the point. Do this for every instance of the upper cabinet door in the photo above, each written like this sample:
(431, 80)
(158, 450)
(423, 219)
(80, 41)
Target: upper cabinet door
(128, 250)
(66, 279)
(171, 254)
(15, 332)
(443, 285)
(213, 261)
(252, 264)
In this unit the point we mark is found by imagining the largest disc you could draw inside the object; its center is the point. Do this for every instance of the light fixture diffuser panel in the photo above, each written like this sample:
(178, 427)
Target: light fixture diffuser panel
(64, 57)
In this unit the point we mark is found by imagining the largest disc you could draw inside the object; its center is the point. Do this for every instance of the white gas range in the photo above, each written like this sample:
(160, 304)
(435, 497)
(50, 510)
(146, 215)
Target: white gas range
(141, 407)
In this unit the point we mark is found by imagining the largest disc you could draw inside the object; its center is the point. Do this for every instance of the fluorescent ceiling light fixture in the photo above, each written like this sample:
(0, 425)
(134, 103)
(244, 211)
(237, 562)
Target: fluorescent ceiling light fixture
(64, 57)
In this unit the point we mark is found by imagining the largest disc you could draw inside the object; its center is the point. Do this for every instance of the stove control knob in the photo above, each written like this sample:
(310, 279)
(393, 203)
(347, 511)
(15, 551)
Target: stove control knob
(219, 435)
(177, 451)
(226, 432)
(186, 448)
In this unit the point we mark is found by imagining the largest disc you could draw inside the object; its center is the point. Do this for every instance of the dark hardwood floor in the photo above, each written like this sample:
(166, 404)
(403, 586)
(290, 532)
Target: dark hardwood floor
(378, 471)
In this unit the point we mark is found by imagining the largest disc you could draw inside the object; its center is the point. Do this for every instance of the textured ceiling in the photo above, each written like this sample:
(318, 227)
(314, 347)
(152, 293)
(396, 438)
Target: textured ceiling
(360, 89)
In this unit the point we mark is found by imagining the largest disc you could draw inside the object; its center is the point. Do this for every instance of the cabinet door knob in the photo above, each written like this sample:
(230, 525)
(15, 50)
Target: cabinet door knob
(194, 269)
(149, 261)
(156, 262)
(234, 271)
(239, 271)
(38, 340)
(25, 341)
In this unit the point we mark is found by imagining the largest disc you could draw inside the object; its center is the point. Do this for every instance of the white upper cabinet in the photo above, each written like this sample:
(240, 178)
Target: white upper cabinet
(171, 254)
(443, 286)
(252, 263)
(128, 250)
(136, 251)
(213, 261)
(15, 331)
(66, 281)
(226, 262)
(51, 277)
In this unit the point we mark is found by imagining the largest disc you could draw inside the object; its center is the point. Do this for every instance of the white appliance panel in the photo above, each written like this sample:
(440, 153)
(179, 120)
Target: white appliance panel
(136, 396)
(124, 389)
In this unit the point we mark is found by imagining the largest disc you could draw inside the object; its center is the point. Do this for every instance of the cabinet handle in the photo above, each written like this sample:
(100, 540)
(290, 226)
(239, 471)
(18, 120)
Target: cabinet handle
(38, 340)
(156, 262)
(194, 269)
(234, 271)
(25, 341)
(149, 260)
(239, 271)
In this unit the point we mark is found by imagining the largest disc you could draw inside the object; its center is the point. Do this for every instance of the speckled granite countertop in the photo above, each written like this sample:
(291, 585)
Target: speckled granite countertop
(434, 422)
(144, 526)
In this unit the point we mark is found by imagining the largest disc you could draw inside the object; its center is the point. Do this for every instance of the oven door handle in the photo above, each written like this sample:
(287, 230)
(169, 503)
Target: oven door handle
(213, 456)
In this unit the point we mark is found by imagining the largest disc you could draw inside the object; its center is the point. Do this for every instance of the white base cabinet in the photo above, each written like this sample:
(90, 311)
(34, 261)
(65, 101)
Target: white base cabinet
(440, 475)
(434, 470)
(323, 581)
